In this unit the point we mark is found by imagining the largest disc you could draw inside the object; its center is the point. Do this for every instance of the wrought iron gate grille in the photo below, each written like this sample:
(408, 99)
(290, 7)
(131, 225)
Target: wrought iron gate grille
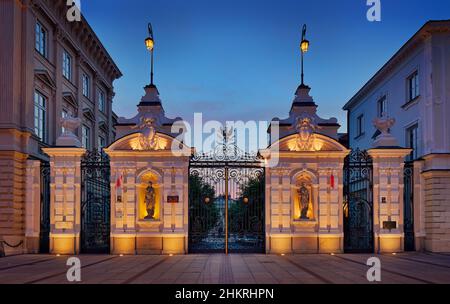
(409, 206)
(358, 203)
(95, 203)
(44, 232)
(226, 202)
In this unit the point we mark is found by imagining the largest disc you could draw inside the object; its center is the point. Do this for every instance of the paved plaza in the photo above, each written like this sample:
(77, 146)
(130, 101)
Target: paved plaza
(411, 268)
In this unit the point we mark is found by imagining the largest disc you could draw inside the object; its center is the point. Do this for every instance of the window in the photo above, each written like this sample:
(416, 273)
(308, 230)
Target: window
(40, 109)
(86, 85)
(101, 101)
(67, 66)
(64, 114)
(101, 142)
(412, 141)
(382, 107)
(360, 125)
(41, 39)
(413, 86)
(86, 137)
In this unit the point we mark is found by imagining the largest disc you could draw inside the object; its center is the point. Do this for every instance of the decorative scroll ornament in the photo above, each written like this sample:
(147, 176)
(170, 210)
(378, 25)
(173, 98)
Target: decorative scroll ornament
(306, 127)
(148, 139)
(227, 150)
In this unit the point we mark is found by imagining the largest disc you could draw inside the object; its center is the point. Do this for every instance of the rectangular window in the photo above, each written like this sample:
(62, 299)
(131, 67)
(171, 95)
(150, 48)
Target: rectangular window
(41, 39)
(101, 101)
(86, 85)
(40, 110)
(67, 66)
(86, 137)
(101, 142)
(360, 125)
(412, 141)
(413, 86)
(382, 107)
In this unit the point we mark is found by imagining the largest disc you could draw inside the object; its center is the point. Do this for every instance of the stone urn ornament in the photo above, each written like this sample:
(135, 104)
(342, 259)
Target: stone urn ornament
(385, 139)
(68, 138)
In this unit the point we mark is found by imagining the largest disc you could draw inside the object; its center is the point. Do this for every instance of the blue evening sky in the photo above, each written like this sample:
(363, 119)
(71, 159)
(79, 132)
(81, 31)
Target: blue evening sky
(240, 60)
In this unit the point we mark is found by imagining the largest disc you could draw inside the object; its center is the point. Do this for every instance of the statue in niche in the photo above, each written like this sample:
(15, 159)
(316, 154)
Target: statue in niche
(150, 202)
(303, 197)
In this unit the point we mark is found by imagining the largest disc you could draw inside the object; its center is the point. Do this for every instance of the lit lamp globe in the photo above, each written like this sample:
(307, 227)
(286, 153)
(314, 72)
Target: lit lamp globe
(304, 46)
(149, 43)
(246, 200)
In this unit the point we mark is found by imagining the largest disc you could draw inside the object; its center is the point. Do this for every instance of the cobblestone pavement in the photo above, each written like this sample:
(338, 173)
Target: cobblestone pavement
(417, 268)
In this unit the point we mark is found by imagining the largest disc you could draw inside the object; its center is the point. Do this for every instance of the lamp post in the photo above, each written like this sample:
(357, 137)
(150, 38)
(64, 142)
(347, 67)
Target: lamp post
(150, 44)
(304, 46)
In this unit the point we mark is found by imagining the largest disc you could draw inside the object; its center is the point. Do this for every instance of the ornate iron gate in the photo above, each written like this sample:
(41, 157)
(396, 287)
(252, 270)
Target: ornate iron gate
(44, 232)
(358, 203)
(409, 206)
(95, 203)
(226, 202)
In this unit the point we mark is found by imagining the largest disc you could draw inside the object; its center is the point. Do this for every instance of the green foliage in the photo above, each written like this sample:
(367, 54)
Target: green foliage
(200, 212)
(239, 211)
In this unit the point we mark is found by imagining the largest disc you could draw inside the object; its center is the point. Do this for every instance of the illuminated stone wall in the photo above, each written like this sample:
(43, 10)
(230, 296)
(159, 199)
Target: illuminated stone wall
(321, 172)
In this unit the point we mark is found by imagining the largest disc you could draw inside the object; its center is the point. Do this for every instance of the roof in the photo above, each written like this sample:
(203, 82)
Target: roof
(424, 32)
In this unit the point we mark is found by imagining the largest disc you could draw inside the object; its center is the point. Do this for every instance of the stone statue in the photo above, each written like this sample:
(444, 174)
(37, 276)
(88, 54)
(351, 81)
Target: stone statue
(303, 196)
(150, 202)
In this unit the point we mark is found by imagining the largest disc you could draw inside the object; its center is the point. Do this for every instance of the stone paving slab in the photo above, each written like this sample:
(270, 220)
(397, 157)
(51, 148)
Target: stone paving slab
(407, 268)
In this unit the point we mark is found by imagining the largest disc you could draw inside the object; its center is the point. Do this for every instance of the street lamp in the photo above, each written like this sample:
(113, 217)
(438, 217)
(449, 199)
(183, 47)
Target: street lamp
(150, 44)
(304, 46)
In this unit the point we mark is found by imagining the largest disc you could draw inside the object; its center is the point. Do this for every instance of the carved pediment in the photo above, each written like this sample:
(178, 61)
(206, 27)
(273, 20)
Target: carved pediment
(70, 99)
(45, 77)
(138, 142)
(88, 114)
(314, 143)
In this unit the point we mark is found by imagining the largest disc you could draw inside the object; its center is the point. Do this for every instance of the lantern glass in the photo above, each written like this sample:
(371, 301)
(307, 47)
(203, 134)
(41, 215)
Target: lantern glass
(149, 43)
(304, 46)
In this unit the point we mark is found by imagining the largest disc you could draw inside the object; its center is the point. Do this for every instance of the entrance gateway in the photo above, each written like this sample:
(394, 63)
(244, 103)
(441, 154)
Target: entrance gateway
(226, 200)
(305, 193)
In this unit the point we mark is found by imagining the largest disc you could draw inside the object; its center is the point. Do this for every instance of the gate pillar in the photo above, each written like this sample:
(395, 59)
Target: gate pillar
(65, 202)
(65, 183)
(388, 202)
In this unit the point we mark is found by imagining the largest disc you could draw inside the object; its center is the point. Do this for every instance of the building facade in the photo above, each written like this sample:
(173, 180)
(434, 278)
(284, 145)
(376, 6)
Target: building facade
(50, 68)
(413, 87)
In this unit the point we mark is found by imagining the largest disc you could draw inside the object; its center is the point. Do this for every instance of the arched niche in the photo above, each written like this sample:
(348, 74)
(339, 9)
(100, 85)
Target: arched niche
(304, 183)
(149, 181)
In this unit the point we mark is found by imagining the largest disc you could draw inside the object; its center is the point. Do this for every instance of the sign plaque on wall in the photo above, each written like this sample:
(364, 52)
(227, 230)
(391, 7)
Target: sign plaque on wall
(390, 225)
(173, 199)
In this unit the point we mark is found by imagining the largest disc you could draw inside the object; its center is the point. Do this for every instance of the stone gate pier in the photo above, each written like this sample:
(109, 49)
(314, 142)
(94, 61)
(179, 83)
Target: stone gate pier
(304, 184)
(149, 192)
